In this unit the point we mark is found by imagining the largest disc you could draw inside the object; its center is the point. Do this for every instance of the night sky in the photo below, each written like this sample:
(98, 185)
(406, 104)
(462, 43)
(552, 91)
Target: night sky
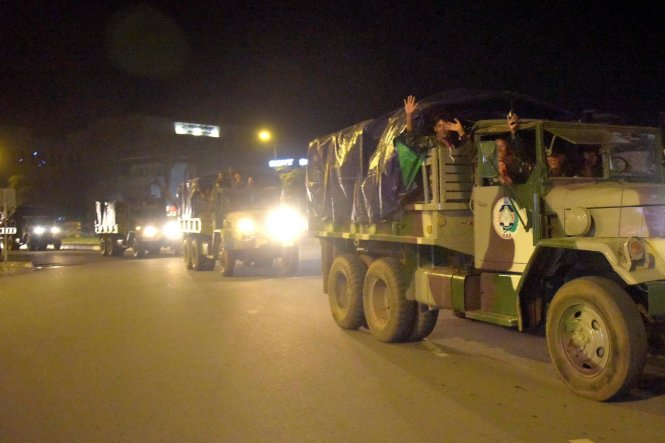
(309, 68)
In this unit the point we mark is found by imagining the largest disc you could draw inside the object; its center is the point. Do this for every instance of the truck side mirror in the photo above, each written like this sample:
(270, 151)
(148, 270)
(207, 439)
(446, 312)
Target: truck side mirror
(487, 166)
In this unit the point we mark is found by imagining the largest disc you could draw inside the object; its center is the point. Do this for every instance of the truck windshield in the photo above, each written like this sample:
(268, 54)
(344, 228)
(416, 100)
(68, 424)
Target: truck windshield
(636, 160)
(609, 154)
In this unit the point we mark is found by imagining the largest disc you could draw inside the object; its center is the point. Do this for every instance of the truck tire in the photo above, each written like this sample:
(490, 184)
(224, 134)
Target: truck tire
(102, 246)
(199, 261)
(424, 322)
(110, 243)
(116, 249)
(290, 260)
(137, 248)
(57, 245)
(389, 314)
(227, 262)
(596, 338)
(187, 253)
(345, 291)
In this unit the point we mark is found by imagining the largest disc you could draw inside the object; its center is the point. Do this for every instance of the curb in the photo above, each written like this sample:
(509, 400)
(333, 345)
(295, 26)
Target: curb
(15, 267)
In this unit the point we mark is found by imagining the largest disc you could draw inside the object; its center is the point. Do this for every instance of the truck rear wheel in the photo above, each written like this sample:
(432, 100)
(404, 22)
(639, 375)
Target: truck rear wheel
(110, 244)
(424, 322)
(187, 252)
(57, 245)
(596, 338)
(389, 314)
(199, 261)
(345, 291)
(102, 246)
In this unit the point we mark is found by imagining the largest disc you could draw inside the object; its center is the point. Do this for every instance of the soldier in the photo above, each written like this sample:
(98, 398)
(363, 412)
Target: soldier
(220, 199)
(443, 129)
(557, 163)
(591, 164)
(517, 170)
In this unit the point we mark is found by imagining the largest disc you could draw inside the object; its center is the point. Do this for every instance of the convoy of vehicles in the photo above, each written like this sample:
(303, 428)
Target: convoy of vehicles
(245, 225)
(581, 257)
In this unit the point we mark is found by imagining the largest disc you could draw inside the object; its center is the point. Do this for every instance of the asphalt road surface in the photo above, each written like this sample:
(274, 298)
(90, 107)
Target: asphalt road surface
(118, 349)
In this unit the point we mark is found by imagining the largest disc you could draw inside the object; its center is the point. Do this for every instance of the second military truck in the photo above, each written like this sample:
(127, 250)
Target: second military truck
(248, 225)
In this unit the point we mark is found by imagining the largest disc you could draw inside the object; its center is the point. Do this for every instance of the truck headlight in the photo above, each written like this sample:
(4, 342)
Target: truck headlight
(39, 230)
(246, 226)
(285, 224)
(172, 230)
(55, 230)
(150, 231)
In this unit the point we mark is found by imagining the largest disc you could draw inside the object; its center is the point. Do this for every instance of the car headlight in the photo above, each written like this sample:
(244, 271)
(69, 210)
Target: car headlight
(150, 231)
(39, 230)
(246, 226)
(55, 230)
(172, 230)
(285, 224)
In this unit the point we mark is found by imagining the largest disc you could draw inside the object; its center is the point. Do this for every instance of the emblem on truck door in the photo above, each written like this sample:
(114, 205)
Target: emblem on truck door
(504, 218)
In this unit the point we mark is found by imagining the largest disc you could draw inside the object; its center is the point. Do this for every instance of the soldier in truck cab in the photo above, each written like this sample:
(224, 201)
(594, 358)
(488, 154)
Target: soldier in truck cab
(557, 163)
(511, 168)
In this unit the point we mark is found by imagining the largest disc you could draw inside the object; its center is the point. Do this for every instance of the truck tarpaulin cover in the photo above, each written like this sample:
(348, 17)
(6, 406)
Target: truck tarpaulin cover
(361, 173)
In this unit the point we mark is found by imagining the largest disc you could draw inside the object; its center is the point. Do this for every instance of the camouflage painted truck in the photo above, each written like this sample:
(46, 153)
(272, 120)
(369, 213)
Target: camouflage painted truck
(228, 226)
(581, 257)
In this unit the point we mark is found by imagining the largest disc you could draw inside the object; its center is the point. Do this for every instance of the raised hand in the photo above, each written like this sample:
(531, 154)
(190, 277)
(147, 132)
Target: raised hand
(410, 104)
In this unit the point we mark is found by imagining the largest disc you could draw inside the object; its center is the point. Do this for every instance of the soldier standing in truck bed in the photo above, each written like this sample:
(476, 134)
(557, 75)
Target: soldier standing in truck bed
(220, 199)
(443, 129)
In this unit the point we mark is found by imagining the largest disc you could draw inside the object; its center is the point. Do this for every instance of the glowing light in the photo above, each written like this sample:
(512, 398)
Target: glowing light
(246, 226)
(196, 129)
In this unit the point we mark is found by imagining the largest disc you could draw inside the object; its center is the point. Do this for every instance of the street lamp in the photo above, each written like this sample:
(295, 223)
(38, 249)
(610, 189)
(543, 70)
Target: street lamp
(265, 136)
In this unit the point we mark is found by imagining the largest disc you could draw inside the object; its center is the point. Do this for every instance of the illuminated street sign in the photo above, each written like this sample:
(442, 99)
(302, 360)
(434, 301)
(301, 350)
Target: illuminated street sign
(286, 162)
(196, 129)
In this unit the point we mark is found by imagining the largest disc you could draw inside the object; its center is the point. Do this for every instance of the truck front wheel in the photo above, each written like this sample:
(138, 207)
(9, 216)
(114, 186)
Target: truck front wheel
(137, 248)
(227, 261)
(290, 260)
(424, 322)
(389, 314)
(345, 291)
(596, 338)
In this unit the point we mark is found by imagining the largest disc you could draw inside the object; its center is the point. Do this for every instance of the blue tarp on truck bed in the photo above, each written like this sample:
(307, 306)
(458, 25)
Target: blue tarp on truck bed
(357, 174)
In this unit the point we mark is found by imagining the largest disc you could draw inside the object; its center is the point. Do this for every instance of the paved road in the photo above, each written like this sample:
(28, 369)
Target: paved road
(143, 350)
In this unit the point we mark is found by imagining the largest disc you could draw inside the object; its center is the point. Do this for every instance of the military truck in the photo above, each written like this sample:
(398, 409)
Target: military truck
(142, 226)
(247, 225)
(137, 210)
(406, 232)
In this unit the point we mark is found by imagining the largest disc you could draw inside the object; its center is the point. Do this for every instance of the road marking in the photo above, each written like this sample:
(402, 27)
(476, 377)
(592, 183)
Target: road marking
(581, 440)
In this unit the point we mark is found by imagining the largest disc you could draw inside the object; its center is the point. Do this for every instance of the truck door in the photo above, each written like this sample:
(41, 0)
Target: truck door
(503, 224)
